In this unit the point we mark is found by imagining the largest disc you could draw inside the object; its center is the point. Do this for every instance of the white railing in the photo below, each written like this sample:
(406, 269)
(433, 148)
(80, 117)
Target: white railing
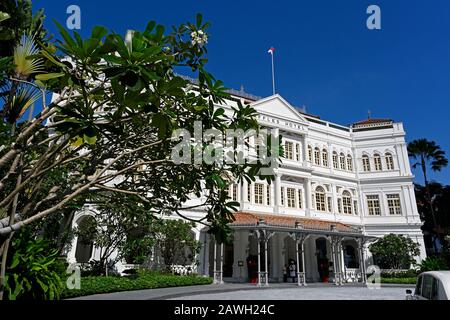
(184, 270)
(352, 275)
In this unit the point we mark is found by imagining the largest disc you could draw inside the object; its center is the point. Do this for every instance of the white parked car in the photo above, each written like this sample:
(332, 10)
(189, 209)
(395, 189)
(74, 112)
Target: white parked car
(431, 285)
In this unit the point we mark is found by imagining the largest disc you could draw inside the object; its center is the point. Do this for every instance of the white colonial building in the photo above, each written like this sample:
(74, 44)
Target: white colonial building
(337, 189)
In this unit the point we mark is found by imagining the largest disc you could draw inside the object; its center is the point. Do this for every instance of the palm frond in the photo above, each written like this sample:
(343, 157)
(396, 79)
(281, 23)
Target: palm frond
(25, 62)
(24, 96)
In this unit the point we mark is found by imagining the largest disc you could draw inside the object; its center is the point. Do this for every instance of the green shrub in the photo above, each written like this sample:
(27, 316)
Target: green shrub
(33, 269)
(411, 273)
(411, 280)
(139, 281)
(433, 263)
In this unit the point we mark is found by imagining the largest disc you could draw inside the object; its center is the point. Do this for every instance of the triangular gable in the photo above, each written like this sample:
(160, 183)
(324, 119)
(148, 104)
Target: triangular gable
(275, 105)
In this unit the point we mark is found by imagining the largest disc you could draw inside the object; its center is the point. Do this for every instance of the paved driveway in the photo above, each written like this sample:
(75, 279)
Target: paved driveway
(308, 293)
(245, 291)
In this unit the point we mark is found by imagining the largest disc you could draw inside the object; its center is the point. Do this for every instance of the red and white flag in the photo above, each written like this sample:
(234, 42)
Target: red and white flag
(271, 50)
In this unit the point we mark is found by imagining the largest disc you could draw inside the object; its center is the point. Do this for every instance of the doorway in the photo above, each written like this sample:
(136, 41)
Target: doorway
(322, 259)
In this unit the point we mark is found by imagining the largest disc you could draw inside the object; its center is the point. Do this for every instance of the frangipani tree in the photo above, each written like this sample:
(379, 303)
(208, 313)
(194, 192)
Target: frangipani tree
(110, 129)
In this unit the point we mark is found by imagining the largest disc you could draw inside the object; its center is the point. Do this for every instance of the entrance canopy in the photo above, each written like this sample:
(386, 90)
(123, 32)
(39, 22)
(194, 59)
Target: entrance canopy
(246, 220)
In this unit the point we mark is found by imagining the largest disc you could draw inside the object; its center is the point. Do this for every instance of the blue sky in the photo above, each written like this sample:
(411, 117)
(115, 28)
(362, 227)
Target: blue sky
(325, 59)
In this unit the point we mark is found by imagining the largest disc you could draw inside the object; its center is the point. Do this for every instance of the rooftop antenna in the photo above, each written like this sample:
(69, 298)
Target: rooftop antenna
(369, 114)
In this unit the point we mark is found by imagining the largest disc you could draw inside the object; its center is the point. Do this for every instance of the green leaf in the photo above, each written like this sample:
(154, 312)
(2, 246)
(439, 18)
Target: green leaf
(66, 36)
(48, 76)
(4, 16)
(52, 59)
(99, 32)
(150, 52)
(90, 45)
(159, 32)
(219, 181)
(90, 140)
(199, 20)
(219, 112)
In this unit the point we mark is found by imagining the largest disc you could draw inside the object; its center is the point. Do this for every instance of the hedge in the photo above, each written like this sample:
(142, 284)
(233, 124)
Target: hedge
(400, 274)
(411, 280)
(142, 280)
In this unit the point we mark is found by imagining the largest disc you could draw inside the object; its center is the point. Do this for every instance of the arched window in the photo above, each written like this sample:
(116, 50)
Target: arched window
(335, 160)
(389, 161)
(325, 157)
(317, 156)
(85, 242)
(320, 199)
(366, 163)
(310, 153)
(349, 163)
(377, 162)
(342, 161)
(347, 202)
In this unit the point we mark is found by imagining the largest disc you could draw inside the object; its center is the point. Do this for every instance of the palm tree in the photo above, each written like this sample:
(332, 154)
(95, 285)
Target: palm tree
(427, 153)
(17, 92)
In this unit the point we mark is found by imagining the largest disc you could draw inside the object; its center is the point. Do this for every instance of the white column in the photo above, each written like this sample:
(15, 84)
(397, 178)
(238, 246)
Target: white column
(303, 262)
(364, 264)
(343, 273)
(304, 151)
(277, 191)
(308, 200)
(221, 264)
(338, 263)
(298, 263)
(259, 259)
(334, 200)
(335, 265)
(215, 262)
(244, 197)
(266, 265)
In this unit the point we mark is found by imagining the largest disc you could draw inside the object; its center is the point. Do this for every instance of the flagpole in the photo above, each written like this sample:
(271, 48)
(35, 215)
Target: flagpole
(273, 76)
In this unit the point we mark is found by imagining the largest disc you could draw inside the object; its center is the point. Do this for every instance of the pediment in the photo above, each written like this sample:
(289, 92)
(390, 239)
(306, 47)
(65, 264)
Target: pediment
(277, 106)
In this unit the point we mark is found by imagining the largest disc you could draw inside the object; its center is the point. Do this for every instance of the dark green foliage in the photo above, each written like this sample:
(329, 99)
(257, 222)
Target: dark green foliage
(411, 280)
(92, 268)
(21, 20)
(394, 251)
(143, 280)
(411, 273)
(33, 269)
(172, 238)
(434, 263)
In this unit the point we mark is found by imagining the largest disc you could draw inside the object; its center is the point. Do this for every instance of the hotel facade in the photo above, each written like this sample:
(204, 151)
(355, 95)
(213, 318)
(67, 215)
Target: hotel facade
(337, 189)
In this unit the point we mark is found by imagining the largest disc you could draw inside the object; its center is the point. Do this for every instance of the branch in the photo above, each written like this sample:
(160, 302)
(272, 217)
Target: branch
(96, 178)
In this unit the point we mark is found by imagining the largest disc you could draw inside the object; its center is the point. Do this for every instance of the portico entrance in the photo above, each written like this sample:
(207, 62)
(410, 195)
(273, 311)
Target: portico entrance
(269, 248)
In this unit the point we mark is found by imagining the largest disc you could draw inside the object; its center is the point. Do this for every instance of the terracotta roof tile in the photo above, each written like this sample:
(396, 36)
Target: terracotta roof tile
(371, 121)
(246, 218)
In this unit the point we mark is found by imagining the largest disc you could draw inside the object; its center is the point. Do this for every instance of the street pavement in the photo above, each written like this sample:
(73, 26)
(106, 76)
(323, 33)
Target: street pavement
(245, 291)
(308, 293)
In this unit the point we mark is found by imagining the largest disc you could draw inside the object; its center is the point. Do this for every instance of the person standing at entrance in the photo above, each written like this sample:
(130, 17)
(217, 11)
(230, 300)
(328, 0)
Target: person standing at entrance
(292, 270)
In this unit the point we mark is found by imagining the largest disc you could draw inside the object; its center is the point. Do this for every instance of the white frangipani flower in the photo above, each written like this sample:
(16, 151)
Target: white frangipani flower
(199, 38)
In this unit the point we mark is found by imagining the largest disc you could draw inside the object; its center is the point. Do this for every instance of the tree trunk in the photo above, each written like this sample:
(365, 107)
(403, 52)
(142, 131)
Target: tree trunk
(429, 200)
(8, 240)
